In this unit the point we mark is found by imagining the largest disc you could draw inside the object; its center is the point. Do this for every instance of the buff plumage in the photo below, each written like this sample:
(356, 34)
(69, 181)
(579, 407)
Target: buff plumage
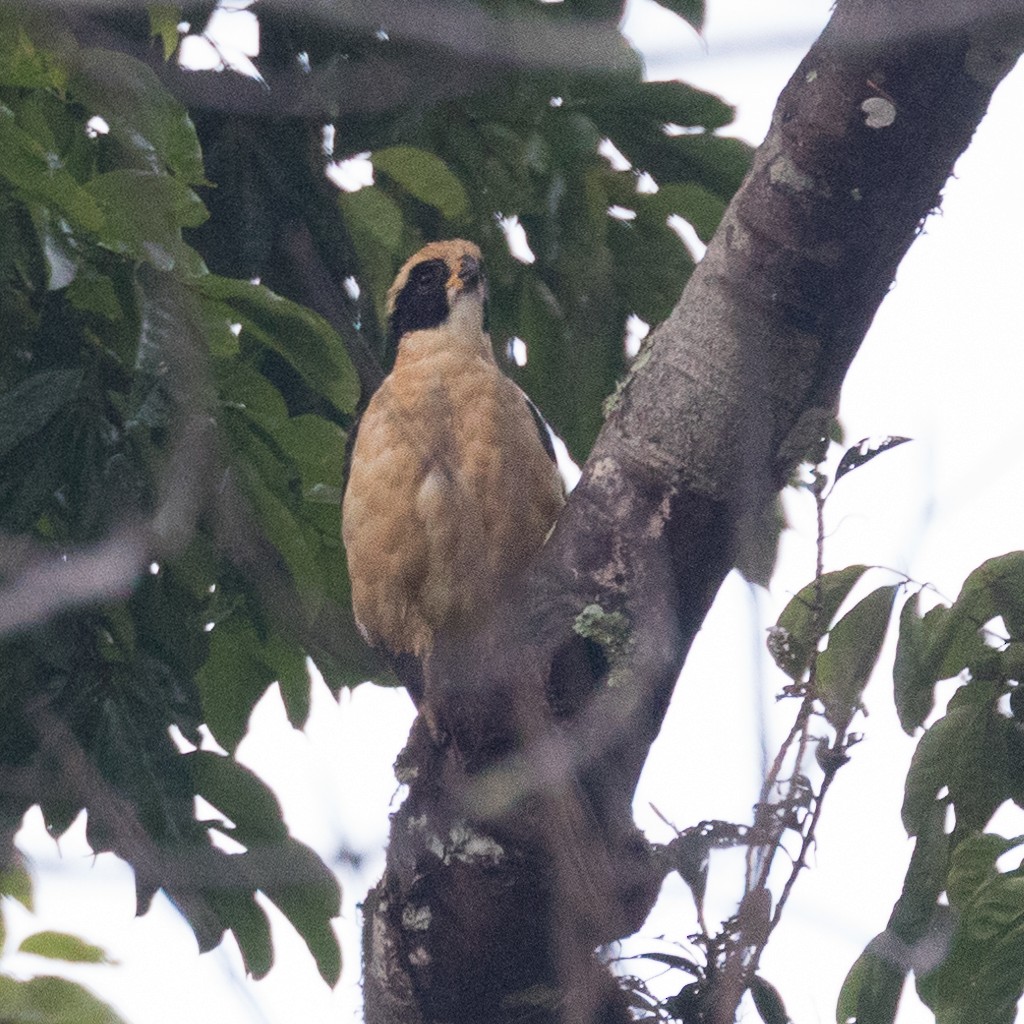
(452, 486)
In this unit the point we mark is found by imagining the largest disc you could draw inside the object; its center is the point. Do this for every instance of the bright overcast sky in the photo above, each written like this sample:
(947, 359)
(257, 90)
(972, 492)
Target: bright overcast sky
(942, 364)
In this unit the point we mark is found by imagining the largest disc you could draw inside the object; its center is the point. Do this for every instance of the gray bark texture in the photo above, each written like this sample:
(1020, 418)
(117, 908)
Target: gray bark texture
(515, 855)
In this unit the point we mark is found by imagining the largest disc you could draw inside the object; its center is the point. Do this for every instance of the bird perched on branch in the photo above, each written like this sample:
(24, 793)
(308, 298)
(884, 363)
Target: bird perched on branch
(452, 483)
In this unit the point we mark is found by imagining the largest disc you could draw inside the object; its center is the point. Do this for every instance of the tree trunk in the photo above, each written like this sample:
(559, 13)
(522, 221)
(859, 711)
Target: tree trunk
(515, 854)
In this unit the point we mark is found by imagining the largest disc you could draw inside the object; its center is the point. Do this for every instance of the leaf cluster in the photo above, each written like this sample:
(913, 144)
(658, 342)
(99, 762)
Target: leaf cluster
(958, 925)
(959, 922)
(519, 143)
(119, 342)
(181, 368)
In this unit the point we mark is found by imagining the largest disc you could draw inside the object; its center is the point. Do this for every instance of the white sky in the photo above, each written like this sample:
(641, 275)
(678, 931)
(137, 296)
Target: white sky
(942, 364)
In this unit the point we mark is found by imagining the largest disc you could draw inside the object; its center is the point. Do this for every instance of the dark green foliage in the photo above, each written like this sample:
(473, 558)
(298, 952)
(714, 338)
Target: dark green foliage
(770, 1007)
(119, 339)
(521, 144)
(982, 976)
(691, 10)
(512, 152)
(959, 920)
(171, 439)
(967, 957)
(872, 989)
(854, 644)
(52, 999)
(807, 618)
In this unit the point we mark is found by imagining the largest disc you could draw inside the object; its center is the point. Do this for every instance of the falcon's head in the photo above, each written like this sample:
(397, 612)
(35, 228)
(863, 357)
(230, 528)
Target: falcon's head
(442, 283)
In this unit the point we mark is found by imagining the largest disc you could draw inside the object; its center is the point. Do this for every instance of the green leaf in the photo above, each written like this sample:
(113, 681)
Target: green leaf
(57, 126)
(59, 250)
(854, 644)
(572, 314)
(1015, 763)
(373, 214)
(16, 882)
(938, 646)
(52, 1001)
(61, 946)
(717, 163)
(913, 683)
(95, 293)
(59, 811)
(144, 213)
(30, 405)
(38, 175)
(296, 520)
(690, 10)
(23, 64)
(244, 389)
(872, 989)
(302, 337)
(232, 680)
(266, 483)
(996, 587)
(768, 1001)
(318, 448)
(374, 221)
(652, 261)
(654, 104)
(917, 915)
(573, 137)
(426, 176)
(982, 976)
(997, 908)
(966, 752)
(806, 619)
(163, 24)
(240, 795)
(695, 204)
(946, 641)
(310, 901)
(973, 866)
(144, 116)
(930, 766)
(240, 912)
(240, 667)
(980, 782)
(287, 661)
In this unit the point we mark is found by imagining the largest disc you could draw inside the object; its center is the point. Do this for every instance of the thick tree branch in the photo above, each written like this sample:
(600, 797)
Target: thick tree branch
(537, 744)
